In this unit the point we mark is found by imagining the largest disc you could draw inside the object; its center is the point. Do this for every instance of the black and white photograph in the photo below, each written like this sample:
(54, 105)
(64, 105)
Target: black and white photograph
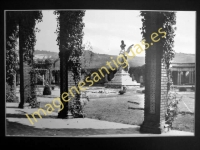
(100, 73)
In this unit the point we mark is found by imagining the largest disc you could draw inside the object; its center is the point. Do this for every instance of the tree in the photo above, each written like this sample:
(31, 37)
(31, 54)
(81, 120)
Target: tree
(48, 63)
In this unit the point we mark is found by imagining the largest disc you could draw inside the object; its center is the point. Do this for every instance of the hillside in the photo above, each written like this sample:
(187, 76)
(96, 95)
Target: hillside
(40, 54)
(94, 60)
(184, 58)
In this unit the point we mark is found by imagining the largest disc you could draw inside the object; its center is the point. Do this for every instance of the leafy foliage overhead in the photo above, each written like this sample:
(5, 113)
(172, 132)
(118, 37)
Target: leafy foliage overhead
(70, 34)
(167, 20)
(24, 21)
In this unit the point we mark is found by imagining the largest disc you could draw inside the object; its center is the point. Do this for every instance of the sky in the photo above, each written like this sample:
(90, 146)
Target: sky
(104, 30)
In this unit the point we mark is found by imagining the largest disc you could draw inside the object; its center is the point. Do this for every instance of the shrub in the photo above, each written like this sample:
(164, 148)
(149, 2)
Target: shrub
(77, 105)
(10, 96)
(32, 100)
(39, 80)
(193, 88)
(121, 92)
(47, 90)
(172, 108)
(77, 109)
(182, 89)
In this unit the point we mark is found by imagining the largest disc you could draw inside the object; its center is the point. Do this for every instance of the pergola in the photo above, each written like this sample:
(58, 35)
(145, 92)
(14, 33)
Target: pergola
(183, 73)
(156, 79)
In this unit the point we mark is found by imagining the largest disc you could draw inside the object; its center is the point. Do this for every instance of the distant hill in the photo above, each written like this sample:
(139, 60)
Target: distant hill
(184, 58)
(94, 60)
(99, 60)
(40, 54)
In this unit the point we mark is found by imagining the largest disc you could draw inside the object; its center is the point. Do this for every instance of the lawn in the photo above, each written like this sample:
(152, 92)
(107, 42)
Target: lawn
(117, 109)
(184, 122)
(128, 108)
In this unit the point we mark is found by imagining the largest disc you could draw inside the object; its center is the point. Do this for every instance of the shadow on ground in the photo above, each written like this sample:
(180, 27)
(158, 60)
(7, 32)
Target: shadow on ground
(17, 129)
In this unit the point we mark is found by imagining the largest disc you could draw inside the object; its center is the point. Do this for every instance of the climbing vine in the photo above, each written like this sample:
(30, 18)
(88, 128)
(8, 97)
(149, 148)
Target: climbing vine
(70, 33)
(24, 21)
(20, 25)
(72, 22)
(28, 20)
(167, 20)
(32, 98)
(87, 59)
(11, 43)
(172, 108)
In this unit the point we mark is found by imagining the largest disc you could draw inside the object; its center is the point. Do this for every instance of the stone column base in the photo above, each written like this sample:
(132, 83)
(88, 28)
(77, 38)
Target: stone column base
(151, 128)
(69, 115)
(65, 116)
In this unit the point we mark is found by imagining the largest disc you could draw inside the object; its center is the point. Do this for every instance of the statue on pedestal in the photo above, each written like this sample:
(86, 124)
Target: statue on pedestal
(122, 77)
(122, 52)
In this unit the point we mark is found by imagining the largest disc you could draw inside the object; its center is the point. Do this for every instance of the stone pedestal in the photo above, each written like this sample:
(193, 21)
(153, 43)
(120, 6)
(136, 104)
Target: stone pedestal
(121, 78)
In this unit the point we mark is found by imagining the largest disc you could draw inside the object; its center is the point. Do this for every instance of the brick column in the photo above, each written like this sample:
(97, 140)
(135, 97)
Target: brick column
(64, 56)
(155, 84)
(155, 96)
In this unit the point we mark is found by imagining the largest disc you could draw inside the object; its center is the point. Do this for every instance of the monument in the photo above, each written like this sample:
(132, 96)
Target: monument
(122, 77)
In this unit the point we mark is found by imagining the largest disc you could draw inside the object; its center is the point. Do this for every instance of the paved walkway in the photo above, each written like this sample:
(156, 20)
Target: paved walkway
(80, 126)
